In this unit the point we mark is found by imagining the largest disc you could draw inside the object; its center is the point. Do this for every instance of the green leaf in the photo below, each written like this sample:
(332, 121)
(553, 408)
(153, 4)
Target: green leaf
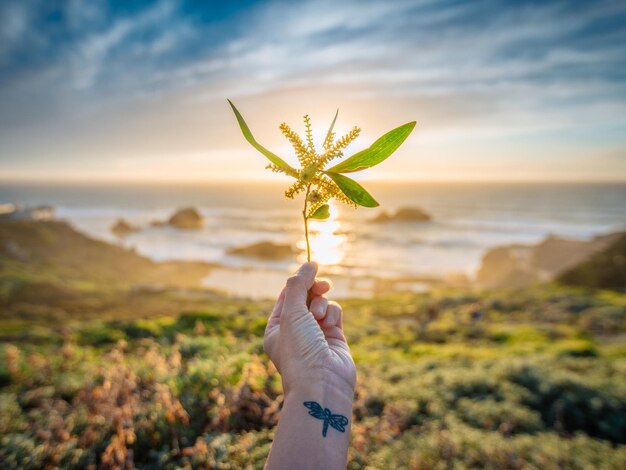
(321, 213)
(353, 190)
(332, 126)
(275, 159)
(377, 152)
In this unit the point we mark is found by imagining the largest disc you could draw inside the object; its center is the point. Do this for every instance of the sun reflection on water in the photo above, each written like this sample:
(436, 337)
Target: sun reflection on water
(328, 239)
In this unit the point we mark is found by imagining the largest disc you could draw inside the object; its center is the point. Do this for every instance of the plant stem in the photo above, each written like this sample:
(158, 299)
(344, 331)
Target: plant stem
(306, 223)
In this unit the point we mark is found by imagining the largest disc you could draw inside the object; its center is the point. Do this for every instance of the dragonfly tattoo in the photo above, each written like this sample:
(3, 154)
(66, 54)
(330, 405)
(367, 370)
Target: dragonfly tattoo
(337, 422)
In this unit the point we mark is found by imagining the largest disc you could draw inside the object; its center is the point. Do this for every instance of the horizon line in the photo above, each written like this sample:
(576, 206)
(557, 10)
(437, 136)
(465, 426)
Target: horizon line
(274, 181)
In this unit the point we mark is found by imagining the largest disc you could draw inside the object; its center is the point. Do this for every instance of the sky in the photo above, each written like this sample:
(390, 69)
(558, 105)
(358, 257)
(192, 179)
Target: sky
(501, 90)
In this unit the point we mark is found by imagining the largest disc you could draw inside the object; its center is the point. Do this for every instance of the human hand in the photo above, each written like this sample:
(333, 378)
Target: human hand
(307, 344)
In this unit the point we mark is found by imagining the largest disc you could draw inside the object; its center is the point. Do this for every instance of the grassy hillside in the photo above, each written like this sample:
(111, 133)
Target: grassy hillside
(52, 274)
(528, 379)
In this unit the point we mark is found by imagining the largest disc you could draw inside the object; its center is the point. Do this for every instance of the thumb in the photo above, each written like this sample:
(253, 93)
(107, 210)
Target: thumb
(297, 289)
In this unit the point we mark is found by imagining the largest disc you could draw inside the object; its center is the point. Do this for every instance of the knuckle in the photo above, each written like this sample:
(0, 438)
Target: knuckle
(335, 306)
(295, 282)
(321, 301)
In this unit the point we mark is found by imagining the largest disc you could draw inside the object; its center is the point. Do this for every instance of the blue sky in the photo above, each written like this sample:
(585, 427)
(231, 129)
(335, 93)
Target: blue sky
(137, 90)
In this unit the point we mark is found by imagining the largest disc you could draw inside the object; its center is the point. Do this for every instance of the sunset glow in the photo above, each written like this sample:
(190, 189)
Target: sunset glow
(328, 240)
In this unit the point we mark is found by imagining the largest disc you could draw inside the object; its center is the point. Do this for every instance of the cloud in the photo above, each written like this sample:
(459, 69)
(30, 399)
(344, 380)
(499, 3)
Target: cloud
(518, 59)
(13, 26)
(490, 69)
(94, 54)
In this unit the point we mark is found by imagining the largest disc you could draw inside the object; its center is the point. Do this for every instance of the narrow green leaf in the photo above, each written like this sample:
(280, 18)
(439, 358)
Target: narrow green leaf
(353, 190)
(321, 213)
(377, 152)
(332, 126)
(275, 159)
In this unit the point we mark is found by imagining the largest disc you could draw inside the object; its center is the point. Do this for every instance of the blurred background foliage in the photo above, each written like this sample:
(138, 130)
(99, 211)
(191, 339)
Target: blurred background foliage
(530, 378)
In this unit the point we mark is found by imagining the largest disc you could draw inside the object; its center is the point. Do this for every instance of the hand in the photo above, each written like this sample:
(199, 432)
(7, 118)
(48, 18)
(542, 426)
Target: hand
(307, 345)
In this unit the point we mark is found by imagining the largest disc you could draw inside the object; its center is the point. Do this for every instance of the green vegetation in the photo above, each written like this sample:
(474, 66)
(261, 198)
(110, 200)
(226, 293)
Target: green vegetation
(108, 359)
(523, 379)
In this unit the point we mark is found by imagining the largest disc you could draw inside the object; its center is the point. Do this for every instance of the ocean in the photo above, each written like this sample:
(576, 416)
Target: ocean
(468, 219)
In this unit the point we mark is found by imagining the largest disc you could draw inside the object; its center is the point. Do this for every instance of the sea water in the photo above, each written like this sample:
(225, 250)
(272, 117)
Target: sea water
(467, 220)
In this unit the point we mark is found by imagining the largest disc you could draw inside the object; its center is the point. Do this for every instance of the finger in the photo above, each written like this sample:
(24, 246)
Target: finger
(318, 307)
(274, 317)
(335, 333)
(333, 316)
(320, 287)
(297, 288)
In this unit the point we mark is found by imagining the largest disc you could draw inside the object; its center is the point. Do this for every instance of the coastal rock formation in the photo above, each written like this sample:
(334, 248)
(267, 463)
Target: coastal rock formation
(506, 266)
(404, 214)
(515, 266)
(605, 269)
(187, 218)
(264, 250)
(122, 228)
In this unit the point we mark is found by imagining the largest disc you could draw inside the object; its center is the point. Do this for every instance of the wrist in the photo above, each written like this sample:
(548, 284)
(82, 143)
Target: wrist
(314, 427)
(323, 384)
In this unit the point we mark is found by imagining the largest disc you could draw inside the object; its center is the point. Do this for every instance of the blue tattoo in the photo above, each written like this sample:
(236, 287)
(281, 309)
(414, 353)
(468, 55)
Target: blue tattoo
(337, 422)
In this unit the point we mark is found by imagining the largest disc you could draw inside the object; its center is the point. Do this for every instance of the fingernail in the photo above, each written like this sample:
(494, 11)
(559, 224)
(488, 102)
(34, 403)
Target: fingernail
(308, 266)
(327, 281)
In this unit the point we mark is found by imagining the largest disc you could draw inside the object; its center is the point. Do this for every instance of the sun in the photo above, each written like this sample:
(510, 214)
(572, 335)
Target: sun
(328, 239)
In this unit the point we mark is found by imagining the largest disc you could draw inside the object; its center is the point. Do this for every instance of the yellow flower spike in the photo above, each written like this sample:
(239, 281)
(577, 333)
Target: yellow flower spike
(309, 133)
(296, 142)
(294, 189)
(329, 141)
(336, 149)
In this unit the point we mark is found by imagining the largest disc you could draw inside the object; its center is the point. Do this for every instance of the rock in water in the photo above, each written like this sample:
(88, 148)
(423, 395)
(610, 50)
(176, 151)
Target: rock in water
(186, 218)
(404, 214)
(264, 250)
(122, 228)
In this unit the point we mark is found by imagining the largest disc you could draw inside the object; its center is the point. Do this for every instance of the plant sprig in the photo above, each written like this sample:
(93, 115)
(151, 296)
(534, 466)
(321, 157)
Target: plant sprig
(318, 183)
